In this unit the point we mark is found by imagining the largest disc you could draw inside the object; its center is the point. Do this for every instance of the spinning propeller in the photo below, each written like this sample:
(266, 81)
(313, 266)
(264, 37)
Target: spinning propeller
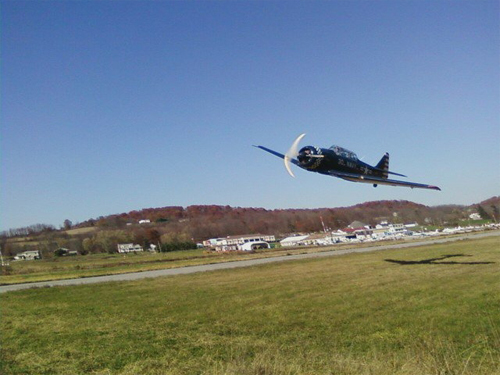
(304, 156)
(292, 153)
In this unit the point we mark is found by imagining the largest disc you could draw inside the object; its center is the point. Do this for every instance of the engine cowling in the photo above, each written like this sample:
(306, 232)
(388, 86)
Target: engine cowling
(310, 157)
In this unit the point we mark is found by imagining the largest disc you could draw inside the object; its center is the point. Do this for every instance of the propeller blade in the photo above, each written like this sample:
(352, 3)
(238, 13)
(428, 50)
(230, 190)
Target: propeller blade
(292, 153)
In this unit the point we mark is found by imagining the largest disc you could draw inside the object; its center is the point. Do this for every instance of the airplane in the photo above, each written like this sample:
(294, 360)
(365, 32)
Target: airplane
(339, 162)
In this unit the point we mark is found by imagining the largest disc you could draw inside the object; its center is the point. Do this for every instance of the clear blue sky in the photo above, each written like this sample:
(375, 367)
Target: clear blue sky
(108, 107)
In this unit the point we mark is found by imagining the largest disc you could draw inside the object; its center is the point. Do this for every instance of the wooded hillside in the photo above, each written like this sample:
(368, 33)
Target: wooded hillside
(174, 224)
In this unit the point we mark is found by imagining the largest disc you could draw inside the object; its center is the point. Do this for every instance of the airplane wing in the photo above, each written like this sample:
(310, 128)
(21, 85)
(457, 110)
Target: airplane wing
(379, 181)
(275, 153)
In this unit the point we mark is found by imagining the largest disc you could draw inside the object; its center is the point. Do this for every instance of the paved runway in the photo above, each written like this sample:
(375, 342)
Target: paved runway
(236, 264)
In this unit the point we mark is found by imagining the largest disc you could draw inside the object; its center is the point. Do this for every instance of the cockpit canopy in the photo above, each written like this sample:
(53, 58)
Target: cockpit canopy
(342, 152)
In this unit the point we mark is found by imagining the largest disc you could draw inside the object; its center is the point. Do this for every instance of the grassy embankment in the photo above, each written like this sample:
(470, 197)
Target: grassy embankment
(353, 314)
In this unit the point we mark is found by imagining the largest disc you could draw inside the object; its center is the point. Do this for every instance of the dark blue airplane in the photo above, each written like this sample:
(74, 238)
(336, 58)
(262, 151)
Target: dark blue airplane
(339, 162)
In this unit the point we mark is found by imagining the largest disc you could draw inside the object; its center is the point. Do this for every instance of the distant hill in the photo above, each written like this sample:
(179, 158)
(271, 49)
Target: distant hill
(200, 222)
(204, 221)
(493, 201)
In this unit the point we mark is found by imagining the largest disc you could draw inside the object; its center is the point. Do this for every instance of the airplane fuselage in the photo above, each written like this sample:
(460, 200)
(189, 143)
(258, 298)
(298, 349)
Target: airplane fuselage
(339, 162)
(325, 160)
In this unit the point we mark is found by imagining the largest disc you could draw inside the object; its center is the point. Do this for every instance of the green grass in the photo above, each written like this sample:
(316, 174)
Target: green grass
(353, 314)
(465, 223)
(108, 264)
(57, 268)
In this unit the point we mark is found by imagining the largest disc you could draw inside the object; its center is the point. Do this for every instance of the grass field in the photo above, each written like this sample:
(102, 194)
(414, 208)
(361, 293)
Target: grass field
(98, 265)
(57, 268)
(352, 314)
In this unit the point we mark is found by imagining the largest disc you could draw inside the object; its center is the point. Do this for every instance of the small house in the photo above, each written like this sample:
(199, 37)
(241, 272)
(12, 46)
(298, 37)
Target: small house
(250, 246)
(28, 255)
(129, 248)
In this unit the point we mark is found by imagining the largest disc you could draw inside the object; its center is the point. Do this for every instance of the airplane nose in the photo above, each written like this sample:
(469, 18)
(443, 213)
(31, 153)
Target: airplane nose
(305, 154)
(309, 156)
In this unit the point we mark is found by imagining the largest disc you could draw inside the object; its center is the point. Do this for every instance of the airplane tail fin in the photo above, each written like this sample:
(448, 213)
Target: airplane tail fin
(383, 165)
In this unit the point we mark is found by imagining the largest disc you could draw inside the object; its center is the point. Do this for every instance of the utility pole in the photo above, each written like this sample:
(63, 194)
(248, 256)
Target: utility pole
(4, 264)
(323, 224)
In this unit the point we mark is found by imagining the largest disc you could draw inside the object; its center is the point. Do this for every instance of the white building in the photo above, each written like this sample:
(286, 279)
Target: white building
(231, 243)
(129, 248)
(293, 241)
(28, 255)
(250, 246)
(317, 239)
(397, 228)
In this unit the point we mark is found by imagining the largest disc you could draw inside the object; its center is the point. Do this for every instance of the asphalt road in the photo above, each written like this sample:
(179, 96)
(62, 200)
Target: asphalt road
(236, 264)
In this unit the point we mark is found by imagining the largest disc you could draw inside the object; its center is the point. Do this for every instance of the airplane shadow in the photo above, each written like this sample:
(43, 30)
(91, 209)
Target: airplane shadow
(436, 261)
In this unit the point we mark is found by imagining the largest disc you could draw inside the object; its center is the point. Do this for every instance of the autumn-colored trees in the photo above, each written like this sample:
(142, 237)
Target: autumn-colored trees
(169, 227)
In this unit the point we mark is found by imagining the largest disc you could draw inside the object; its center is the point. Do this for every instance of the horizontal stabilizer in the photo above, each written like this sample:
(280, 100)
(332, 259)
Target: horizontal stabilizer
(389, 172)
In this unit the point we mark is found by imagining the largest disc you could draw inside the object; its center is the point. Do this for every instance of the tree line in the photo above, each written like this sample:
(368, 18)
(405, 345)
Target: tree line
(28, 231)
(176, 228)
